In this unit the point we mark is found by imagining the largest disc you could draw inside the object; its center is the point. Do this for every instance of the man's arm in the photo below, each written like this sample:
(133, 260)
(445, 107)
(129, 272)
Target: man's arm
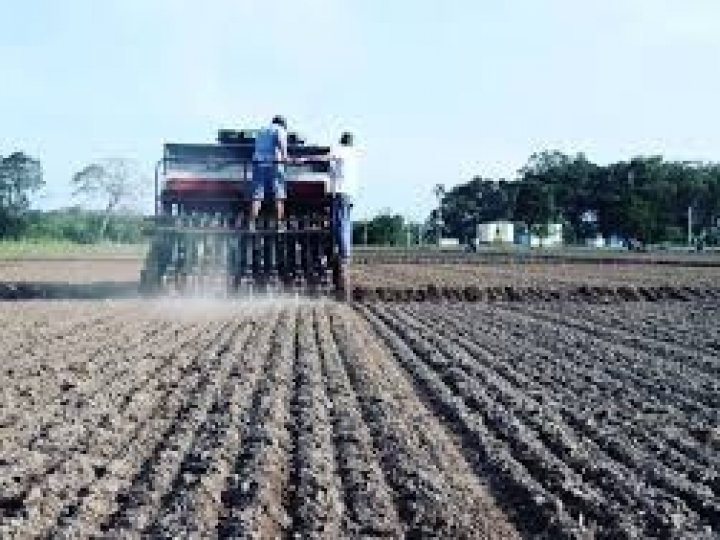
(282, 144)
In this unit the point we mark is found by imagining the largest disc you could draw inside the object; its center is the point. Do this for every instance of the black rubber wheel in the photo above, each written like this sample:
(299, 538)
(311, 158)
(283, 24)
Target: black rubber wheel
(341, 280)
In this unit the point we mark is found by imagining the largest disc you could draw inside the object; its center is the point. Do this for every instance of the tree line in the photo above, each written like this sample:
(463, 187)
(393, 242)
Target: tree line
(646, 199)
(103, 194)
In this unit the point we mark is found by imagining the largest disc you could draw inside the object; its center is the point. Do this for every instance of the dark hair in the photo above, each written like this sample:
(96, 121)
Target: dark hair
(280, 121)
(346, 139)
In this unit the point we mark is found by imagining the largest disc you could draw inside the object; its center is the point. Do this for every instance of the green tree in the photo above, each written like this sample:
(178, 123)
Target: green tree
(534, 206)
(385, 229)
(20, 176)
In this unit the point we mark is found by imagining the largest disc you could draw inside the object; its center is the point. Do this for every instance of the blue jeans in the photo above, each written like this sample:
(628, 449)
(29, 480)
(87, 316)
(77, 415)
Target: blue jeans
(268, 177)
(343, 225)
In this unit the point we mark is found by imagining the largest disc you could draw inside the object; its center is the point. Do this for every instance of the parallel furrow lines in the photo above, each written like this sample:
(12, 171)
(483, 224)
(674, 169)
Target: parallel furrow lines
(435, 490)
(686, 358)
(199, 385)
(49, 473)
(88, 378)
(599, 465)
(192, 505)
(511, 412)
(368, 502)
(644, 453)
(683, 457)
(543, 511)
(113, 437)
(255, 498)
(318, 499)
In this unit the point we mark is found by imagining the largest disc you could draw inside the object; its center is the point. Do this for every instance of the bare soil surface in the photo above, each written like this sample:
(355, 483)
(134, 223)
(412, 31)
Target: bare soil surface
(595, 421)
(574, 404)
(108, 278)
(74, 271)
(165, 419)
(530, 282)
(532, 275)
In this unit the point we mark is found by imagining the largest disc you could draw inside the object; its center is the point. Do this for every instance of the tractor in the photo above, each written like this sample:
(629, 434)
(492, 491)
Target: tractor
(201, 239)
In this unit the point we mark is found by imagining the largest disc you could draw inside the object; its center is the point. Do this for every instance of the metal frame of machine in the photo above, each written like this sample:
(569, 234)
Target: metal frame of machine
(201, 240)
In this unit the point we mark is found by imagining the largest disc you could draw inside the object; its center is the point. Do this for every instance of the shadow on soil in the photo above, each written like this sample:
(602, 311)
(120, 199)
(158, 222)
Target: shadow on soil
(102, 290)
(107, 290)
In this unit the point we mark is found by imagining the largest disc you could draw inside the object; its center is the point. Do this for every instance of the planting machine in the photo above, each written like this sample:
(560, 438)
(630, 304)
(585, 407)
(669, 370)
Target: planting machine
(202, 242)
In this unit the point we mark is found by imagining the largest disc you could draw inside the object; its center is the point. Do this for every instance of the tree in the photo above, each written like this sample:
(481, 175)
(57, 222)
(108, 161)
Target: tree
(478, 201)
(113, 181)
(533, 206)
(384, 229)
(20, 175)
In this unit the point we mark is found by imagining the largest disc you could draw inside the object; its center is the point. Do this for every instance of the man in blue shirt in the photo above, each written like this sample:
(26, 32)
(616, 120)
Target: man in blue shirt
(269, 161)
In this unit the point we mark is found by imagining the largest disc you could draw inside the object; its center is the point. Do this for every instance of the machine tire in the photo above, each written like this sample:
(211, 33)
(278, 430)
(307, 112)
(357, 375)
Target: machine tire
(341, 281)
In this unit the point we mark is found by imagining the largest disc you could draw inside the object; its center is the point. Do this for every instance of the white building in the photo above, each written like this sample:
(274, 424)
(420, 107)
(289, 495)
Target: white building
(496, 231)
(553, 238)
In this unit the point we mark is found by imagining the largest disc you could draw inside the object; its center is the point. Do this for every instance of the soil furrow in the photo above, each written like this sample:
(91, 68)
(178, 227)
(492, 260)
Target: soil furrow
(687, 459)
(81, 380)
(516, 488)
(192, 507)
(435, 490)
(116, 446)
(255, 498)
(318, 500)
(686, 358)
(52, 477)
(200, 382)
(512, 409)
(369, 507)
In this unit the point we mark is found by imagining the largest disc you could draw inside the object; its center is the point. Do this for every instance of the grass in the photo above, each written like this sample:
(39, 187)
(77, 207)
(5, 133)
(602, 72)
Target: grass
(41, 249)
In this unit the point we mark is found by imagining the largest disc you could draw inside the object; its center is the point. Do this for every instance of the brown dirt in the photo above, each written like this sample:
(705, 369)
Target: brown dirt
(127, 418)
(76, 271)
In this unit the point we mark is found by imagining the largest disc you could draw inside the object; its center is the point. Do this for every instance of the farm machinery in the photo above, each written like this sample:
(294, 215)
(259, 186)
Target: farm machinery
(203, 242)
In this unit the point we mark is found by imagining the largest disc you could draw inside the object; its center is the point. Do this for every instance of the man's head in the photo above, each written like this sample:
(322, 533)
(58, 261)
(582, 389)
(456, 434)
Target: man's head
(346, 139)
(279, 120)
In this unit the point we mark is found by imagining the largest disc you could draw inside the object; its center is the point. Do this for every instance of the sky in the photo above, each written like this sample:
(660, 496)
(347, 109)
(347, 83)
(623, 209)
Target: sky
(436, 91)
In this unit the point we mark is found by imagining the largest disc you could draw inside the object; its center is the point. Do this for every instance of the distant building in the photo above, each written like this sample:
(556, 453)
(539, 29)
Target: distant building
(553, 238)
(596, 241)
(449, 243)
(496, 232)
(600, 241)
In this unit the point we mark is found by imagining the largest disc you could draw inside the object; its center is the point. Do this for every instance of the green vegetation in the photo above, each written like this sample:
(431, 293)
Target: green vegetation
(41, 248)
(646, 198)
(112, 183)
(386, 229)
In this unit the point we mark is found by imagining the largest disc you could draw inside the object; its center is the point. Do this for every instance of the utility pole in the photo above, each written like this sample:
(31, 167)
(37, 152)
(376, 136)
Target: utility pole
(689, 225)
(439, 193)
(365, 243)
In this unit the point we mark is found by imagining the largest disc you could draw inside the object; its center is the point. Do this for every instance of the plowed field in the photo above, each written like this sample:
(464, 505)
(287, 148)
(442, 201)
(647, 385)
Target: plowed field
(452, 420)
(515, 281)
(548, 406)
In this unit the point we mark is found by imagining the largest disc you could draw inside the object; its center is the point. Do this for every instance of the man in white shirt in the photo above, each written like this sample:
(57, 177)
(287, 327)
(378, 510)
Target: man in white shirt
(344, 177)
(269, 161)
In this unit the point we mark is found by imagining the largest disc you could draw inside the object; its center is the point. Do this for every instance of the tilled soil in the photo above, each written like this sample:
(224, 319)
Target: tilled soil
(591, 418)
(314, 419)
(557, 275)
(133, 418)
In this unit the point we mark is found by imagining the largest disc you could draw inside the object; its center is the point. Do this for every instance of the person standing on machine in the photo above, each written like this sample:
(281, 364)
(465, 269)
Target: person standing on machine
(344, 176)
(269, 160)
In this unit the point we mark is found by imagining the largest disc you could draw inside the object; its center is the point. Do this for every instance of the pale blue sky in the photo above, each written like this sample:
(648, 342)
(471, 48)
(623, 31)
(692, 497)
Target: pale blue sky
(436, 91)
